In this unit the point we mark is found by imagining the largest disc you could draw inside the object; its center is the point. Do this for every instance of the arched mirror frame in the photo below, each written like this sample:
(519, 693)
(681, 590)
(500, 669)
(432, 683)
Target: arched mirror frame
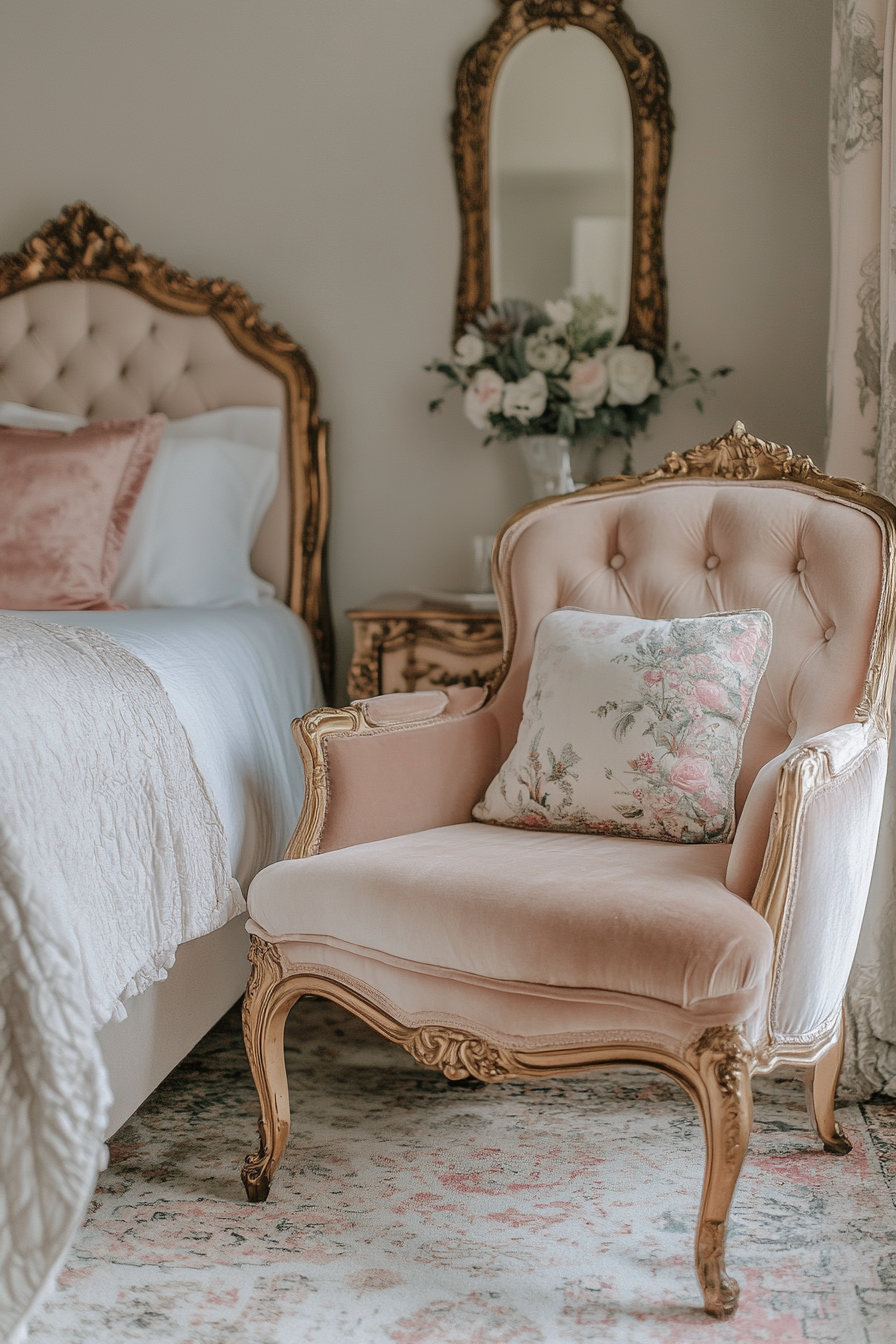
(647, 81)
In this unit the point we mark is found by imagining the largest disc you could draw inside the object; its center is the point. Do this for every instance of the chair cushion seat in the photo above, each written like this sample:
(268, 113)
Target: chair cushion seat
(561, 915)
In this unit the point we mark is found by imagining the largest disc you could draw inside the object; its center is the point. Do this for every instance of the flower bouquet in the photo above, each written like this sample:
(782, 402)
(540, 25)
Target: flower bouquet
(528, 371)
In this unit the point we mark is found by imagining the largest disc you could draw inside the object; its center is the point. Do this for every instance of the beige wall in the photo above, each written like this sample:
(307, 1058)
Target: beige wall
(300, 147)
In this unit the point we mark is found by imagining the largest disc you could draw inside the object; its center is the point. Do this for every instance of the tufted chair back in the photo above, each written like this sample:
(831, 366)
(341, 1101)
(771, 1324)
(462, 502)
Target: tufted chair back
(686, 545)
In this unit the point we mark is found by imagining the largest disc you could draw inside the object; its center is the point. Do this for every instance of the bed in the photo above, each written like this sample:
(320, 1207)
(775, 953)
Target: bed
(93, 327)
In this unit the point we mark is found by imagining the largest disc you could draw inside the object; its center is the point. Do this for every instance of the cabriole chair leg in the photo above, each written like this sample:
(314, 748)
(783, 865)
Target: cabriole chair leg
(725, 1102)
(821, 1087)
(265, 1010)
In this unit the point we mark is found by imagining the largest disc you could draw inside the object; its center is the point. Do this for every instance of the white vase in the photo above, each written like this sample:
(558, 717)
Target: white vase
(547, 460)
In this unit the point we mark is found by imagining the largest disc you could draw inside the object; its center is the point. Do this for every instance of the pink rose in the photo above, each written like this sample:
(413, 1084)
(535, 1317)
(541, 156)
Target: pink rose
(710, 694)
(653, 677)
(534, 820)
(588, 383)
(644, 764)
(743, 646)
(483, 396)
(691, 774)
(713, 804)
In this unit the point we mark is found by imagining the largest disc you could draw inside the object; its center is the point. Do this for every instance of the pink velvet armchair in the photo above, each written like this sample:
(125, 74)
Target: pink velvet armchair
(496, 953)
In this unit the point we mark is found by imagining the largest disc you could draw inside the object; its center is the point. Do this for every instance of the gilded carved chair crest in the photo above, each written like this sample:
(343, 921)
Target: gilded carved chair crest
(739, 456)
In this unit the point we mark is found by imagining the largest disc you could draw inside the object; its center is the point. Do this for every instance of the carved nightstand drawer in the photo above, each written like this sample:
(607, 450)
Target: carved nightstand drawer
(403, 644)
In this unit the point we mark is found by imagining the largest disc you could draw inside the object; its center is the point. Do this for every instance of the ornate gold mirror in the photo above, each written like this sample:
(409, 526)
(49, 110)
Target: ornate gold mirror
(562, 134)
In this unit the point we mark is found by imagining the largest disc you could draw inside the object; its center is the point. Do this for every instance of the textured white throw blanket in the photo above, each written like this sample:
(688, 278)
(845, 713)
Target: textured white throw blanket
(112, 853)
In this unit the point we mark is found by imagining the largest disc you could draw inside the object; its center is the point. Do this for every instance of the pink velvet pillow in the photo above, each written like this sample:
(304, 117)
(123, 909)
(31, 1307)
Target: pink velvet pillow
(65, 504)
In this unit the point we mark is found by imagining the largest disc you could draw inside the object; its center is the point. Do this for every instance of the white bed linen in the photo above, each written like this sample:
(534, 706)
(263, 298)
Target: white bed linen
(113, 853)
(237, 677)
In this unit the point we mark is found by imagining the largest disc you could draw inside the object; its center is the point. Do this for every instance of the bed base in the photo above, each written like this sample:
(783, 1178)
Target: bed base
(165, 1022)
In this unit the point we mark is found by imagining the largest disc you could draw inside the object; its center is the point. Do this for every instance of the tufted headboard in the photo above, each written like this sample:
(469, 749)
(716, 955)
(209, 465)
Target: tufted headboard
(92, 325)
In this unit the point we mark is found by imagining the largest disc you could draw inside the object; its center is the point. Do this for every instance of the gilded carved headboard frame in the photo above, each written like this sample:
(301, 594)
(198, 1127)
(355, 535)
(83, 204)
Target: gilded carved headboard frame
(81, 245)
(647, 81)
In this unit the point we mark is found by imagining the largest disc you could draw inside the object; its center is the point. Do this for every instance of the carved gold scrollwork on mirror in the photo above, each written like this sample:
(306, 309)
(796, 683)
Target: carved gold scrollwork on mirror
(647, 82)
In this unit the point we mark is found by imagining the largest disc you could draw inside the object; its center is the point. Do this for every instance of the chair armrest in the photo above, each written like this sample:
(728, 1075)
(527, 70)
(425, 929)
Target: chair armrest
(393, 765)
(816, 874)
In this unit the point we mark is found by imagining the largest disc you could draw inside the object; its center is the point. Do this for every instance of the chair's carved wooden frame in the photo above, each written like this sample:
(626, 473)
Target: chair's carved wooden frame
(80, 244)
(715, 1068)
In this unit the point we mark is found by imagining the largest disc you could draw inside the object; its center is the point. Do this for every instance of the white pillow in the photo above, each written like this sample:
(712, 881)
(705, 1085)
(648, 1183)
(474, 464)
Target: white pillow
(198, 514)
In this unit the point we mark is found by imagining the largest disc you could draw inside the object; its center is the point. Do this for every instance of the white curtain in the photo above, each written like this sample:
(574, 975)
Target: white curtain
(862, 432)
(861, 360)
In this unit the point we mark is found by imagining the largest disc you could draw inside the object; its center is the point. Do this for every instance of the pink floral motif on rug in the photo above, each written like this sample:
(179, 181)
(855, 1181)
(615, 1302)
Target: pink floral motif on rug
(410, 1211)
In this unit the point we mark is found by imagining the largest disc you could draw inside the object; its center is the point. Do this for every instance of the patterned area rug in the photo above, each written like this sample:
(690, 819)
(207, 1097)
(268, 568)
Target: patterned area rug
(411, 1211)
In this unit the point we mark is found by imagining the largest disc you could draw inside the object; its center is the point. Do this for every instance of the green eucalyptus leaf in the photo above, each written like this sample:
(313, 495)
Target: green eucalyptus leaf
(566, 421)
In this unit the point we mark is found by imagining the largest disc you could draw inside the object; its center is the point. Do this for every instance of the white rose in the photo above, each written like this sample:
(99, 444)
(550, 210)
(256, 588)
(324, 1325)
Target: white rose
(468, 350)
(632, 376)
(482, 397)
(588, 383)
(560, 311)
(525, 400)
(544, 354)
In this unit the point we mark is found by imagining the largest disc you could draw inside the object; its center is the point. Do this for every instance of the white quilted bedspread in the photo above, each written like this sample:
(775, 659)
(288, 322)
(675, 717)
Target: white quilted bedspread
(111, 854)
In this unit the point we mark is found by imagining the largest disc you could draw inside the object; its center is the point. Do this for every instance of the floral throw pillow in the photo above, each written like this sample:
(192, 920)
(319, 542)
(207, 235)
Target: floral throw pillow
(633, 727)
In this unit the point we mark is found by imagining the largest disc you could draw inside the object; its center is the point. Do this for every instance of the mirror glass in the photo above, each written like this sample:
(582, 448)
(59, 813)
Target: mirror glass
(561, 172)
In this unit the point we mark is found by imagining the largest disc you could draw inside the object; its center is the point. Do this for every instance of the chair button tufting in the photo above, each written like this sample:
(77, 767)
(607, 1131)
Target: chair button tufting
(617, 562)
(800, 566)
(830, 632)
(712, 561)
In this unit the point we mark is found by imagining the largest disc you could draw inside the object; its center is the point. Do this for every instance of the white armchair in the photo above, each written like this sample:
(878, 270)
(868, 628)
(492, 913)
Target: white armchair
(490, 952)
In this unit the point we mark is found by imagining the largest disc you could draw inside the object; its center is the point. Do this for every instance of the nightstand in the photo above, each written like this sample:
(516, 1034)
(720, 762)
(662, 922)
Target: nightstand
(403, 643)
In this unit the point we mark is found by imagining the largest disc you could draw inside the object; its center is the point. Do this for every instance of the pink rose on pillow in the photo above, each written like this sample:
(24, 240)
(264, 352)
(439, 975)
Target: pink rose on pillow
(712, 803)
(653, 676)
(710, 694)
(743, 646)
(535, 820)
(691, 774)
